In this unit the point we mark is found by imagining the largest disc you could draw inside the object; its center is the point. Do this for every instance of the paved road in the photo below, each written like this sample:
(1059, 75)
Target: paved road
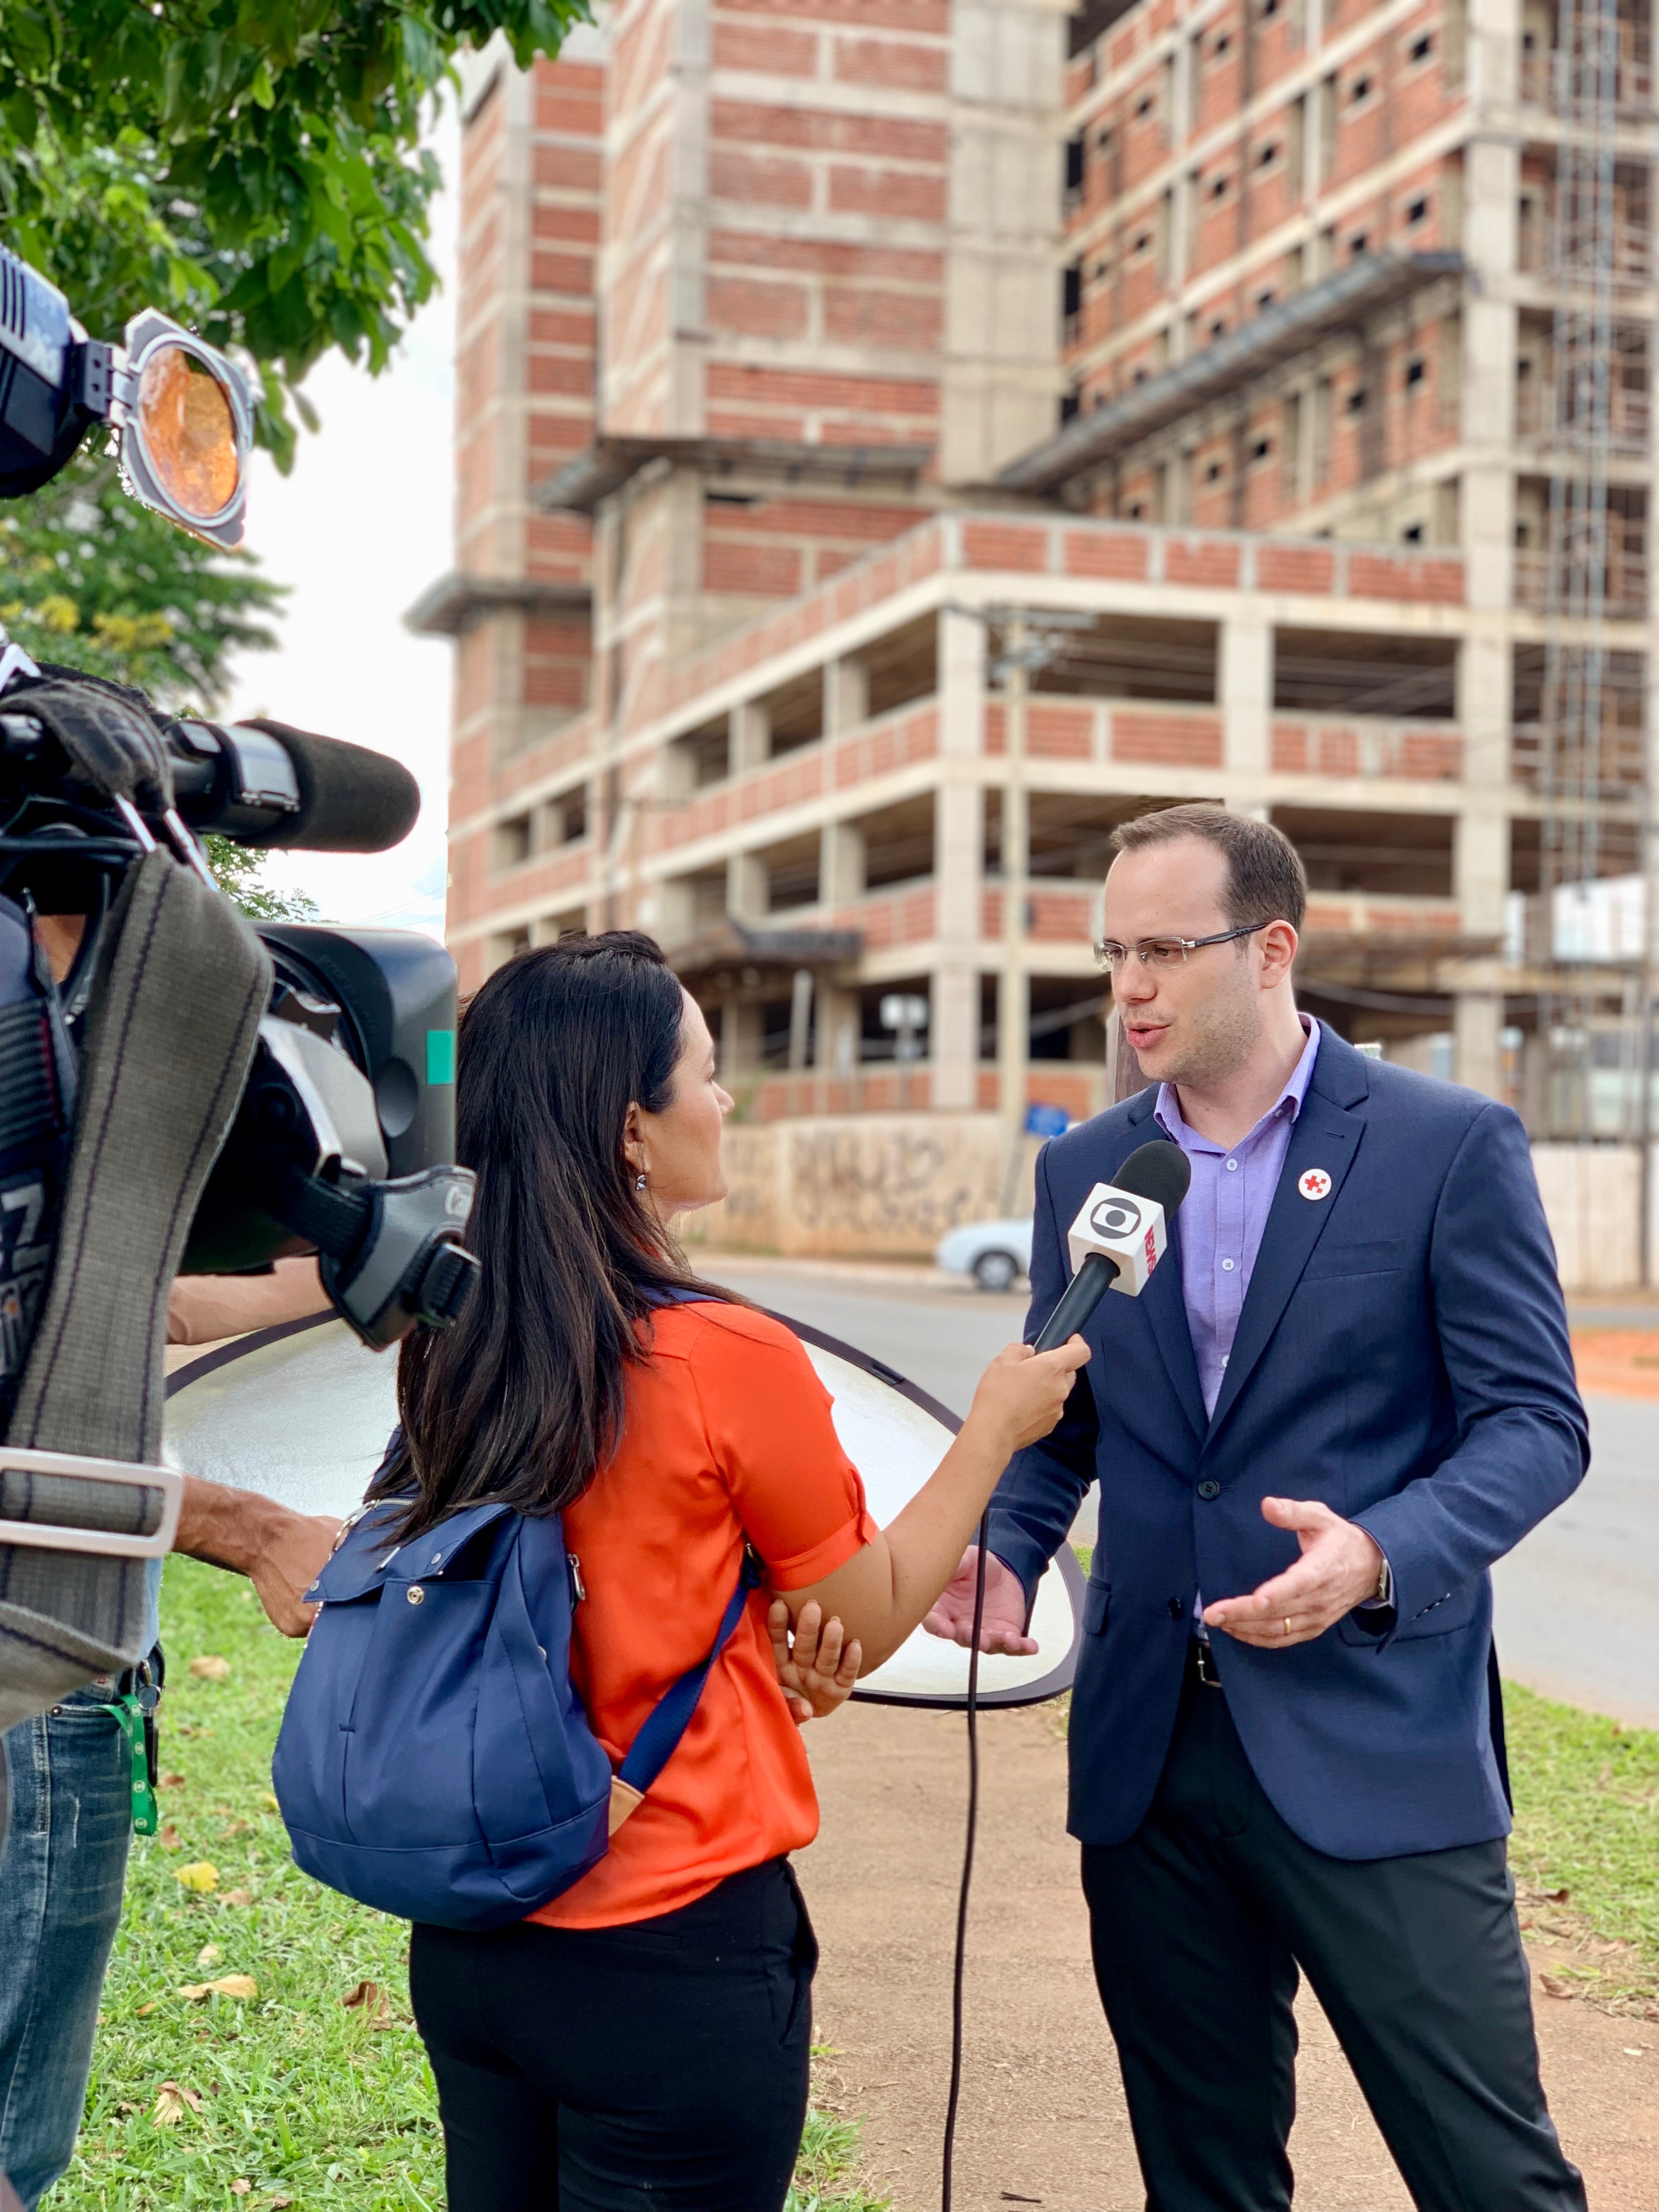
(1576, 1601)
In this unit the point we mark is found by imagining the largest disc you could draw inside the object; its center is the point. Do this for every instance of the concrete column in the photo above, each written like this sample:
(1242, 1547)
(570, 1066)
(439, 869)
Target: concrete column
(1481, 879)
(1492, 173)
(741, 1032)
(846, 696)
(1483, 694)
(1245, 694)
(841, 864)
(746, 887)
(835, 1038)
(959, 848)
(962, 681)
(750, 740)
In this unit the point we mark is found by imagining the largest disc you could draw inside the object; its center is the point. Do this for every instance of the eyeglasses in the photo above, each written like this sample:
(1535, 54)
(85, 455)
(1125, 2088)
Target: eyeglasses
(1167, 951)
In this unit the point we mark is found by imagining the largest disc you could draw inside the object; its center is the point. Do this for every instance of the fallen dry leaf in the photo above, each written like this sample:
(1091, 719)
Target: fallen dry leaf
(277, 2202)
(172, 2102)
(210, 1667)
(169, 1837)
(268, 1799)
(1553, 1988)
(240, 2188)
(145, 2011)
(238, 1896)
(171, 1780)
(373, 2000)
(201, 1875)
(228, 1986)
(1557, 1896)
(208, 1955)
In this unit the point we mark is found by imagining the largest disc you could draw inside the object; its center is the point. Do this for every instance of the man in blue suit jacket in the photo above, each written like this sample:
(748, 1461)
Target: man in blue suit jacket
(1347, 1390)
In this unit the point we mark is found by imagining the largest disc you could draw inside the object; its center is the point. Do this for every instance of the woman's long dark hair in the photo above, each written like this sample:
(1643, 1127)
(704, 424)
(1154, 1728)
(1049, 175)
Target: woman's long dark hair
(522, 1399)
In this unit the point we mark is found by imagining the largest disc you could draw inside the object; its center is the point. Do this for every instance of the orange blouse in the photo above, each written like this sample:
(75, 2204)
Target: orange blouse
(727, 1434)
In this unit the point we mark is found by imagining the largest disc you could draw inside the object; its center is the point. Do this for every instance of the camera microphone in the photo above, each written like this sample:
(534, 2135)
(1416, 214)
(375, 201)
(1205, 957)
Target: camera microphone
(1119, 1235)
(265, 783)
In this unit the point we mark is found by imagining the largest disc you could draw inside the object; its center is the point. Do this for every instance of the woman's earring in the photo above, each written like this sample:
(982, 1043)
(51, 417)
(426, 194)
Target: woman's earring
(639, 1180)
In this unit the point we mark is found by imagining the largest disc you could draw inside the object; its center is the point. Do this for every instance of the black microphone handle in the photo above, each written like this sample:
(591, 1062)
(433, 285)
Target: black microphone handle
(1079, 1300)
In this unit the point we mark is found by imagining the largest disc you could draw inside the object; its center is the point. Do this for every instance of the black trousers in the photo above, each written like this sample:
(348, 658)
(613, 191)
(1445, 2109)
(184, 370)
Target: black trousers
(662, 2064)
(1200, 1923)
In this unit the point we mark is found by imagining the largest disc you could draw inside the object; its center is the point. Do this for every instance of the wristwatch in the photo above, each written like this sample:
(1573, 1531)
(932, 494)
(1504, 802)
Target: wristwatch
(1384, 1593)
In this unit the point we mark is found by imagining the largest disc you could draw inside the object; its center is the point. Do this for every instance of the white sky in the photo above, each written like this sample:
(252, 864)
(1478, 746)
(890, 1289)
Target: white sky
(358, 531)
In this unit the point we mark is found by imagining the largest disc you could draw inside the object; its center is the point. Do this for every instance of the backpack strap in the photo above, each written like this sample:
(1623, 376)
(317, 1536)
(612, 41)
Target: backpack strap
(658, 1740)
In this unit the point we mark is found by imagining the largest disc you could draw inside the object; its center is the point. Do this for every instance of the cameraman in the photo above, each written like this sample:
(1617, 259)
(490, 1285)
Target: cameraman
(69, 1770)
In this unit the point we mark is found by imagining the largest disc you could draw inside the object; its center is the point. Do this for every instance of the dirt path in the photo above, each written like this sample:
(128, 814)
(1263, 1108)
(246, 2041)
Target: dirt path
(1043, 2119)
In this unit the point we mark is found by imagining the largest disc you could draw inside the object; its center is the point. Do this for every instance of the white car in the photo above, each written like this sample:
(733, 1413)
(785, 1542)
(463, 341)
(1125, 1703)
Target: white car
(996, 1253)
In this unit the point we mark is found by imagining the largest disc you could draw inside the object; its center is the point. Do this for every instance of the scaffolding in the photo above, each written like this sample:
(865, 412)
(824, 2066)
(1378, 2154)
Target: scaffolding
(1592, 1009)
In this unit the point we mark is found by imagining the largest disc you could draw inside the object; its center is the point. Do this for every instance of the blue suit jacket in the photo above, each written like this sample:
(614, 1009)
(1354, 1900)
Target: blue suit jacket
(1402, 1354)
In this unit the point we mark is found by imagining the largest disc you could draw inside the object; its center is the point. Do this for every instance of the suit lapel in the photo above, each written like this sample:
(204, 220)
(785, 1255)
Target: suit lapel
(1163, 1301)
(1327, 1137)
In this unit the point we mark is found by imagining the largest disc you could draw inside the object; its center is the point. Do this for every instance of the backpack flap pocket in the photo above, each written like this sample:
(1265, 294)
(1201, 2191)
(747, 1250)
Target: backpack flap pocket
(431, 1558)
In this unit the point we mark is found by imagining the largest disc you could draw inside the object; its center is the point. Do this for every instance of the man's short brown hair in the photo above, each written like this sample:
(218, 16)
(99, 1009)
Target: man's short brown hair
(1265, 881)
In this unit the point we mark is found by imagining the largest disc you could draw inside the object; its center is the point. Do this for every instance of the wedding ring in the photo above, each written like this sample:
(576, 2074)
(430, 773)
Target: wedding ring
(1287, 1624)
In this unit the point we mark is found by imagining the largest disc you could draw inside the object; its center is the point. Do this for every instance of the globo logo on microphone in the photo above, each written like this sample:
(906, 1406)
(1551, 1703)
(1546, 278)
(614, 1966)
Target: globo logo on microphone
(1124, 1226)
(1114, 1215)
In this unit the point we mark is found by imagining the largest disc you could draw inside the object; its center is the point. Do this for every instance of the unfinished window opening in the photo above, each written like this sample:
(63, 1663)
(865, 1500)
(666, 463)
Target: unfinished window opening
(568, 815)
(1420, 49)
(1263, 301)
(903, 665)
(898, 843)
(1070, 835)
(1417, 211)
(1359, 91)
(513, 842)
(1412, 534)
(1385, 855)
(1267, 157)
(1338, 672)
(1356, 400)
(794, 713)
(1416, 370)
(1075, 156)
(1125, 657)
(1218, 188)
(703, 757)
(1215, 471)
(791, 873)
(1262, 450)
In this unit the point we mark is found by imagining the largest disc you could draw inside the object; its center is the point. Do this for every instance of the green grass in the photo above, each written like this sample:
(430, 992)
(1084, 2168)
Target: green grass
(1587, 1823)
(292, 2093)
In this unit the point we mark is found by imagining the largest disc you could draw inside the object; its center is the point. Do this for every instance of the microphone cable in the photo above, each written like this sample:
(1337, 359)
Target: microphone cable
(967, 1868)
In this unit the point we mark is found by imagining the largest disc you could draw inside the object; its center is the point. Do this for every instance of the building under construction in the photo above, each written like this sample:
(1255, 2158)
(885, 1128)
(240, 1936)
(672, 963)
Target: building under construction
(899, 439)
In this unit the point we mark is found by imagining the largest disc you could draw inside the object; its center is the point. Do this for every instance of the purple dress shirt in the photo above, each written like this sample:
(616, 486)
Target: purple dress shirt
(1226, 1211)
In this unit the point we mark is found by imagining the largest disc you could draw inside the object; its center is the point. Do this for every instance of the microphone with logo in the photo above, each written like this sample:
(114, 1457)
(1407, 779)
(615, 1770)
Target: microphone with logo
(1119, 1235)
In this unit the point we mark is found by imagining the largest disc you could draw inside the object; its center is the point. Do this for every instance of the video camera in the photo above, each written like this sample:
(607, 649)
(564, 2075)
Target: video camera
(340, 1124)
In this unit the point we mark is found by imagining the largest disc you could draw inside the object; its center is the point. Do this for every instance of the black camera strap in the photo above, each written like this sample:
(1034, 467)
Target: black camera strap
(179, 986)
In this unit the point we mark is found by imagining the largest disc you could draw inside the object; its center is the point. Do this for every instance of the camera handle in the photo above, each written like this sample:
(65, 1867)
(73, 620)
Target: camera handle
(391, 1252)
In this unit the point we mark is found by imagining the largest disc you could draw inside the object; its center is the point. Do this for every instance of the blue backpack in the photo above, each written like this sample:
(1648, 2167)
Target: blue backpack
(434, 1760)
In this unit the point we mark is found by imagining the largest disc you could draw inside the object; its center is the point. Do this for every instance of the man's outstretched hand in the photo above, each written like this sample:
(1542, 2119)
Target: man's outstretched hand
(1337, 1570)
(1002, 1628)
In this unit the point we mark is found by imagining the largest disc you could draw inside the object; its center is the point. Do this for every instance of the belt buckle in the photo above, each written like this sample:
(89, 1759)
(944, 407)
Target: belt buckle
(1205, 1661)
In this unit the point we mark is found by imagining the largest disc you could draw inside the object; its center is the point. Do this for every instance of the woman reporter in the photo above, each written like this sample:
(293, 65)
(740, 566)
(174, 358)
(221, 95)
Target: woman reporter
(644, 2037)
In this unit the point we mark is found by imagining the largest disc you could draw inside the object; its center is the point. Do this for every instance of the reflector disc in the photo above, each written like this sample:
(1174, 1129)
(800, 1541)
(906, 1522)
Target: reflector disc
(302, 1413)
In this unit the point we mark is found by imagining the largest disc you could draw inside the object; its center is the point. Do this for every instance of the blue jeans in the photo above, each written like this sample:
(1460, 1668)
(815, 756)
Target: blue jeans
(60, 1877)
